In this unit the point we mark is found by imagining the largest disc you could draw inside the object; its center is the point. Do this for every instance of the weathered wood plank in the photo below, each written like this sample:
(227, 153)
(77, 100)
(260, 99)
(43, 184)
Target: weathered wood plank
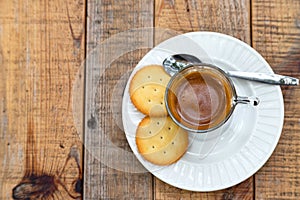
(225, 16)
(243, 190)
(113, 51)
(276, 35)
(41, 49)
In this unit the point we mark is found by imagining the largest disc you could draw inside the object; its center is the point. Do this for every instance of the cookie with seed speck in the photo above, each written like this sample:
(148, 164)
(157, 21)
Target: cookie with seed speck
(160, 141)
(147, 89)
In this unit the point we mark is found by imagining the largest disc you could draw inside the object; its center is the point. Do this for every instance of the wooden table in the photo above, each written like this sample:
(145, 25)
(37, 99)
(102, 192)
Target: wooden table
(60, 116)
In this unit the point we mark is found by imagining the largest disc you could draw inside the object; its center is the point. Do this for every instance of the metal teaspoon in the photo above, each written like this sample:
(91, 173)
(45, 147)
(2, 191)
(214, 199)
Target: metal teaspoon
(174, 63)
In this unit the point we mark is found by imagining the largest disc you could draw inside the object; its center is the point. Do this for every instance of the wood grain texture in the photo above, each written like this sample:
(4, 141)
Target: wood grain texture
(243, 190)
(276, 35)
(225, 16)
(41, 49)
(111, 169)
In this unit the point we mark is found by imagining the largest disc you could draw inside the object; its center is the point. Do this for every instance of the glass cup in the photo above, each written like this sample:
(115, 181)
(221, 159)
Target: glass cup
(201, 98)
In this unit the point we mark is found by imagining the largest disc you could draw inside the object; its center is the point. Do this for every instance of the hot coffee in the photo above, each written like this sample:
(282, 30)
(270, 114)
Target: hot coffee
(200, 97)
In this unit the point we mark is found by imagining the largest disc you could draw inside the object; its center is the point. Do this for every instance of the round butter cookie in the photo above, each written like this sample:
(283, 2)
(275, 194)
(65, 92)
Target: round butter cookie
(147, 89)
(160, 141)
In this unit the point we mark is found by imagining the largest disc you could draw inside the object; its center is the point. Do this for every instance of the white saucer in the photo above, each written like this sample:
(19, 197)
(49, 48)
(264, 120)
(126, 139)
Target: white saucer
(234, 152)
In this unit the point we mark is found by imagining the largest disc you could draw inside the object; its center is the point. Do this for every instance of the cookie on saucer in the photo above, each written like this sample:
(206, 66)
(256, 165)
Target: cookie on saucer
(147, 89)
(160, 141)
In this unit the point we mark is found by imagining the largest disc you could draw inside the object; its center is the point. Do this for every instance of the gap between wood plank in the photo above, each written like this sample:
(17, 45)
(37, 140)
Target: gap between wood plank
(84, 96)
(251, 43)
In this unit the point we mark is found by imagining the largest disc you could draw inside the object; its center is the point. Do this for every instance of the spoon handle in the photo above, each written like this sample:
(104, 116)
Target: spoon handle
(274, 79)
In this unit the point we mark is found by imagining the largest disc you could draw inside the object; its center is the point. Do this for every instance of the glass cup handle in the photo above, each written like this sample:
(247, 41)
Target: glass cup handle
(254, 101)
